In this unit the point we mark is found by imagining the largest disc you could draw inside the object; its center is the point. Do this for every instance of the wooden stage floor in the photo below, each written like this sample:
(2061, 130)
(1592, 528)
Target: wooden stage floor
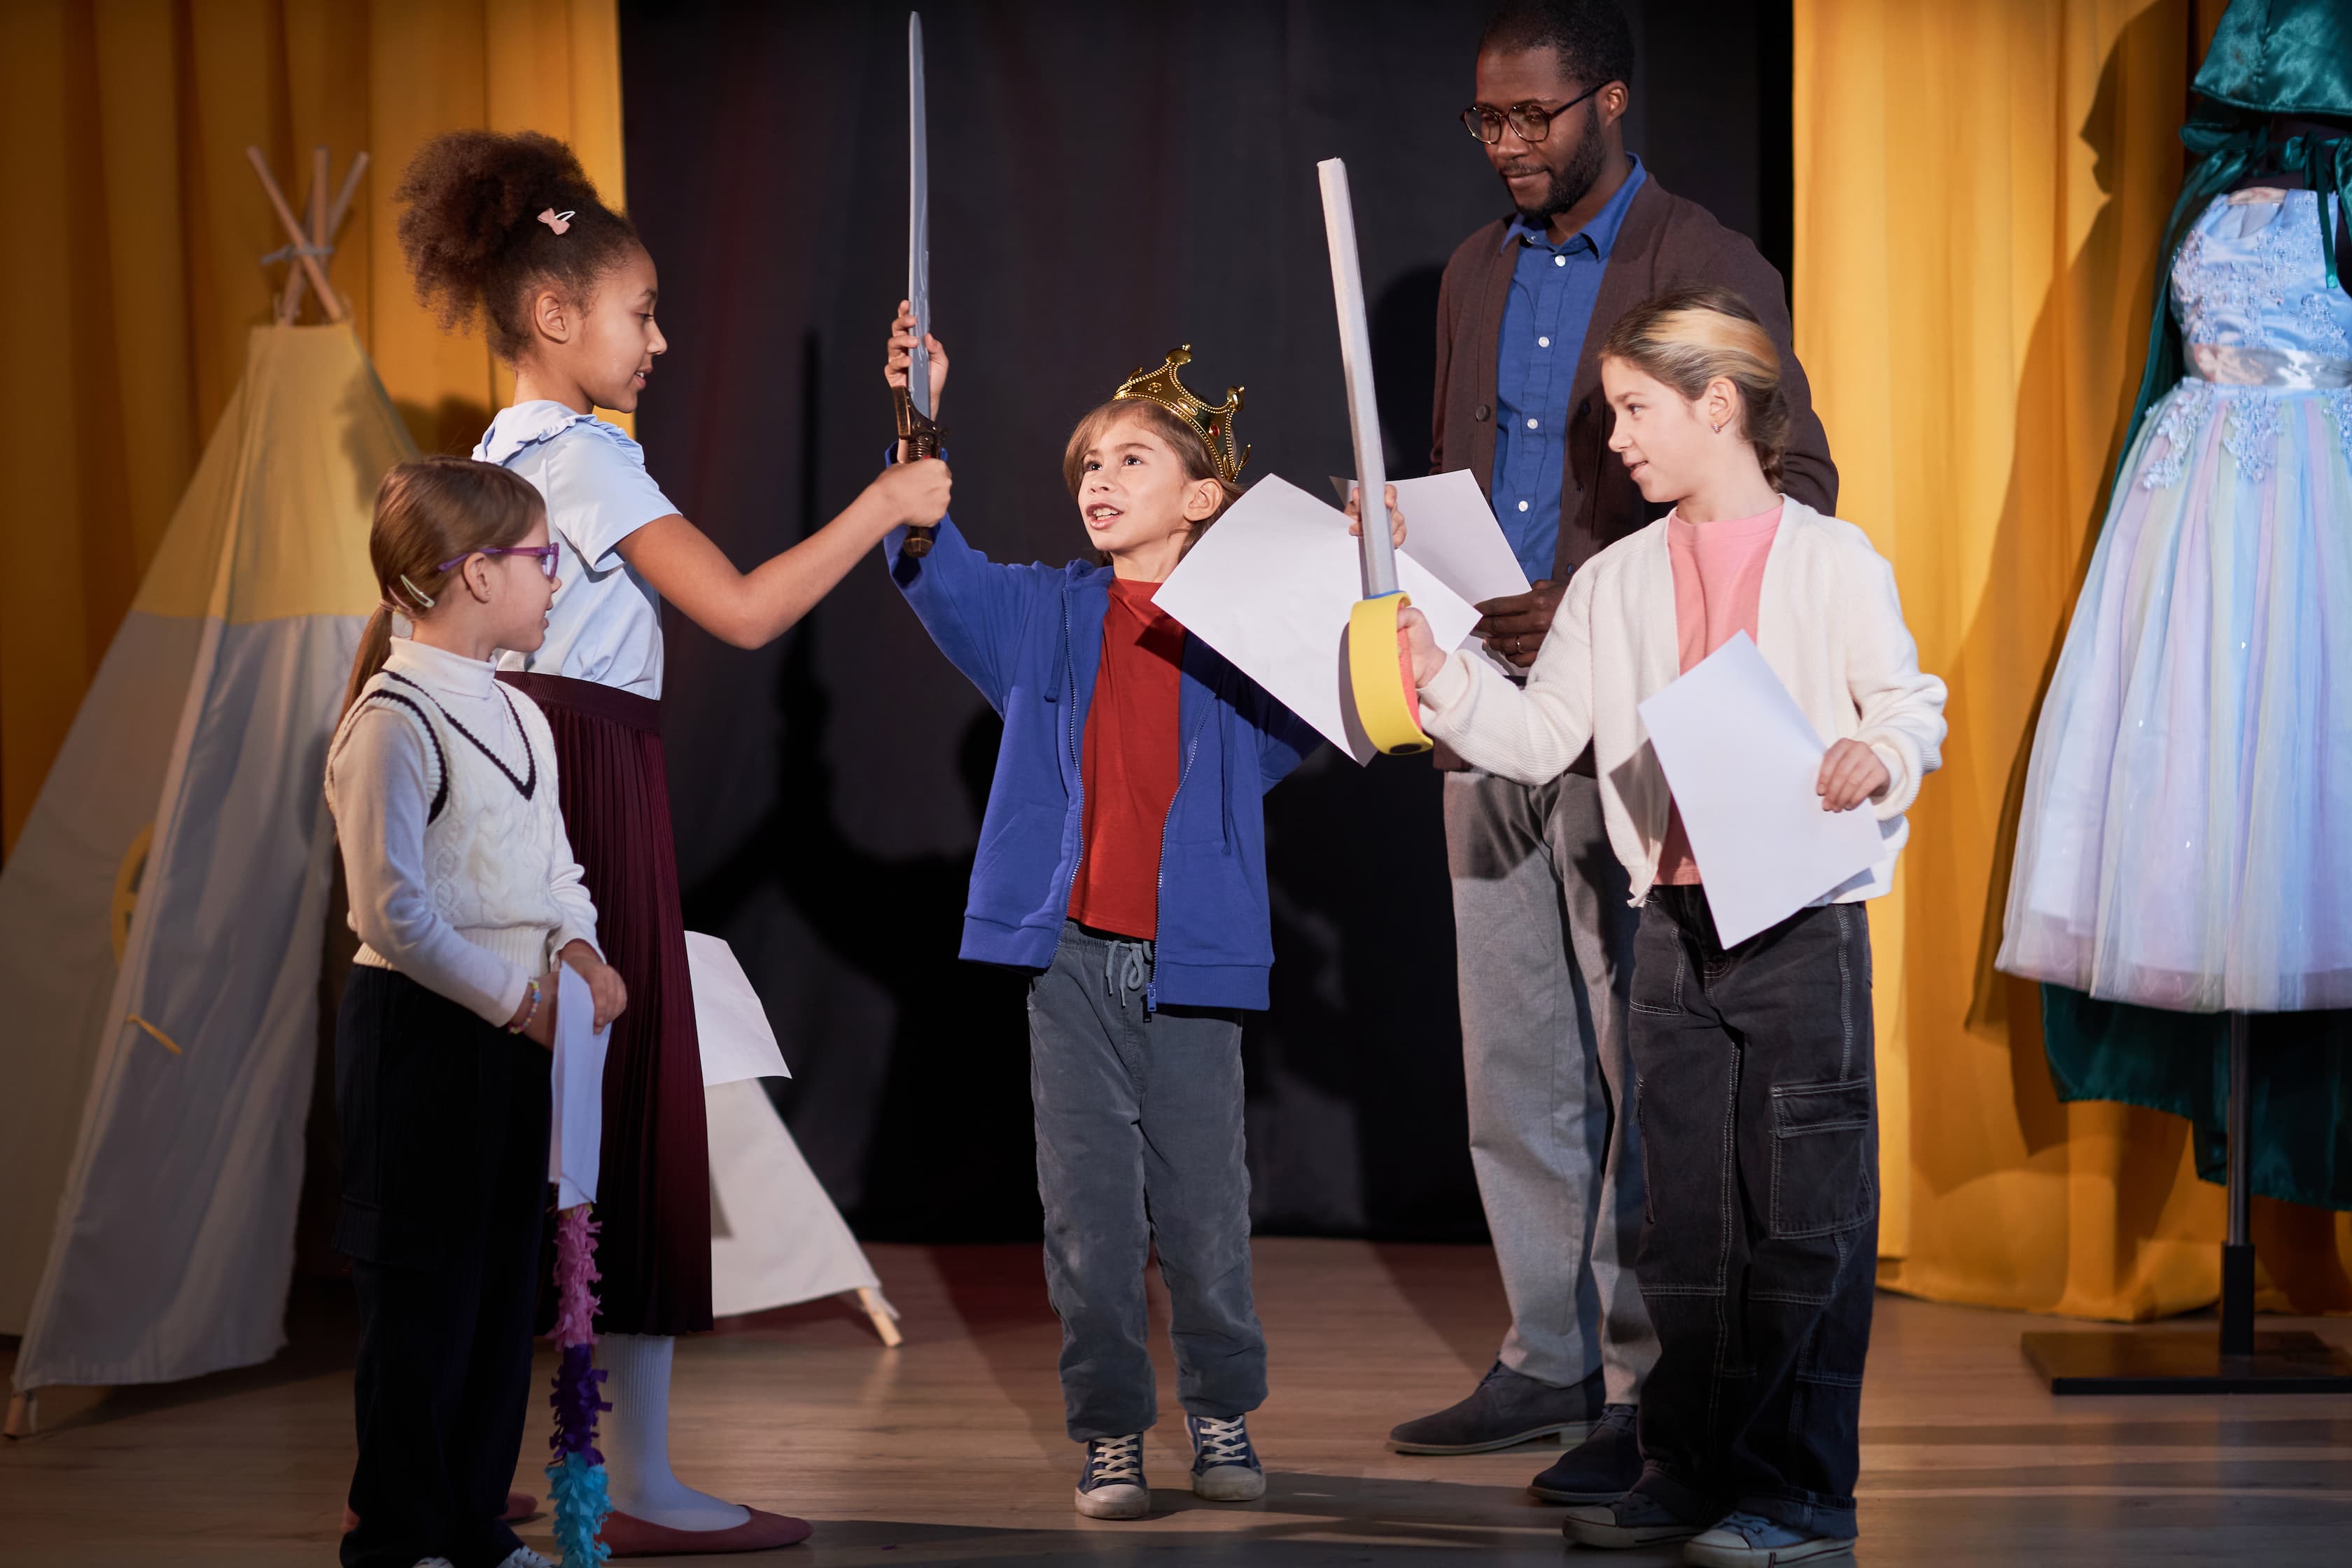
(951, 1449)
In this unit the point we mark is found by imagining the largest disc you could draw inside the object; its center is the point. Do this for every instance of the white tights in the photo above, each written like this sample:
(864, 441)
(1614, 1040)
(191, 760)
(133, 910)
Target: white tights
(635, 1438)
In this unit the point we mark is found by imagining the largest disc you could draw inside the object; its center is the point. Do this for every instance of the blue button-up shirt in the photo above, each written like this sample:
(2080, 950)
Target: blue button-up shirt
(1553, 288)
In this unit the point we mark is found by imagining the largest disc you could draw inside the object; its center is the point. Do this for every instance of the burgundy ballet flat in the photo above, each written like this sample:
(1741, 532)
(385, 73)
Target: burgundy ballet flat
(625, 1535)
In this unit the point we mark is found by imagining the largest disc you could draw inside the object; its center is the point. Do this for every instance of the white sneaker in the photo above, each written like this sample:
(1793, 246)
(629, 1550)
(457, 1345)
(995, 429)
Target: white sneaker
(524, 1557)
(1750, 1540)
(1633, 1520)
(1111, 1486)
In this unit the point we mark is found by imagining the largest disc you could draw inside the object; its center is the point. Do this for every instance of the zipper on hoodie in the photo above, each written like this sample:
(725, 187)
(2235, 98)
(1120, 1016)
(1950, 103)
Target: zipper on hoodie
(1078, 756)
(1159, 879)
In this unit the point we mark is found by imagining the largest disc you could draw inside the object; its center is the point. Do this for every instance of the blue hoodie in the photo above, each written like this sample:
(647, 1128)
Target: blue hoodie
(1031, 639)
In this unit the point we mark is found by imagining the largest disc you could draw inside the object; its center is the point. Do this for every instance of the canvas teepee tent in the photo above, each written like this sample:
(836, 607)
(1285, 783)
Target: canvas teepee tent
(161, 916)
(159, 920)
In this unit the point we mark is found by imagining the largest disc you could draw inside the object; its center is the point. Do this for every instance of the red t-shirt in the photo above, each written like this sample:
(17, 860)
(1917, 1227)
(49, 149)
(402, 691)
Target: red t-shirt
(1129, 765)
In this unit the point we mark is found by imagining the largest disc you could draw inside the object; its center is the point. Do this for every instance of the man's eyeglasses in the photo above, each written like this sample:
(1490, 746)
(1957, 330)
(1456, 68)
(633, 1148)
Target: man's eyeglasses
(546, 554)
(1532, 121)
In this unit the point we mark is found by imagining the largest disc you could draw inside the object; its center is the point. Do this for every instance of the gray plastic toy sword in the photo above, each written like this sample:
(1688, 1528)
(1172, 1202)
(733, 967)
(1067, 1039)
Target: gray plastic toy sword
(914, 399)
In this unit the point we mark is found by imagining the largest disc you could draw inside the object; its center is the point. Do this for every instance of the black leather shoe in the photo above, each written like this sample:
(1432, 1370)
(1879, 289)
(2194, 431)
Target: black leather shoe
(1601, 1469)
(1505, 1410)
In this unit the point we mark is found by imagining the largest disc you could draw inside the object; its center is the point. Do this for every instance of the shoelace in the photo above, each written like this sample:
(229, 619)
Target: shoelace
(1758, 1531)
(1116, 1459)
(1223, 1442)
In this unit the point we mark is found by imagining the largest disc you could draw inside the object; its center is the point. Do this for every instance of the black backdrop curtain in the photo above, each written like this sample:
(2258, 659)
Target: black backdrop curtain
(1106, 181)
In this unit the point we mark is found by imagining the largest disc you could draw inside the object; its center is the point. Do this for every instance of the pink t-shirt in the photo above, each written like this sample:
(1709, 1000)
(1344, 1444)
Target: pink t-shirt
(1718, 580)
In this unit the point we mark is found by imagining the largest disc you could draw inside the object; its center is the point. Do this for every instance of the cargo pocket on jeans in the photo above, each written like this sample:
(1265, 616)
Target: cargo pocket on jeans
(1823, 1151)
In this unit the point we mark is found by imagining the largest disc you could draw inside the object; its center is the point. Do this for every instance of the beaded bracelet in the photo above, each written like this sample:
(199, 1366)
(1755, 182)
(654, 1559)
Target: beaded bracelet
(518, 1029)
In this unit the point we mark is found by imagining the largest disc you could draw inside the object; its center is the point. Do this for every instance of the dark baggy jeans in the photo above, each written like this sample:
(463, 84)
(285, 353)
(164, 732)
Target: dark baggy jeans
(1759, 1140)
(1140, 1143)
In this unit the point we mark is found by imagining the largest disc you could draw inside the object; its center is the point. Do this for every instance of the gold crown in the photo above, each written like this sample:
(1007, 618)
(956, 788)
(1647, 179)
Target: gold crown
(1214, 425)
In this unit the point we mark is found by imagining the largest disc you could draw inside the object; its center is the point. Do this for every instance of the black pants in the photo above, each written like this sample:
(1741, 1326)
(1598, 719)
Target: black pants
(1760, 1144)
(445, 1122)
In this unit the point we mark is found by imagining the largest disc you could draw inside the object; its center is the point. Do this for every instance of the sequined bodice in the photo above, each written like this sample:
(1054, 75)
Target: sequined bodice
(2249, 276)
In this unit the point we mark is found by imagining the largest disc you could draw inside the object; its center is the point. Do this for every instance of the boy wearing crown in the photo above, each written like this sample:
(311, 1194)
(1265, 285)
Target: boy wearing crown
(1122, 861)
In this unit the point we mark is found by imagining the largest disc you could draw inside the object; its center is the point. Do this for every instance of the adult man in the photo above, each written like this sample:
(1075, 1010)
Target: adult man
(1540, 903)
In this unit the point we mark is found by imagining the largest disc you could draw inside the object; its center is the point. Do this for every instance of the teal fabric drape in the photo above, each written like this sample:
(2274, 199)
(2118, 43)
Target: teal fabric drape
(2268, 58)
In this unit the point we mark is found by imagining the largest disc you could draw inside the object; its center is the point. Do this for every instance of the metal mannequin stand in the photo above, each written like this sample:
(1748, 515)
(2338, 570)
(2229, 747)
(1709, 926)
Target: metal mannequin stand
(2192, 1361)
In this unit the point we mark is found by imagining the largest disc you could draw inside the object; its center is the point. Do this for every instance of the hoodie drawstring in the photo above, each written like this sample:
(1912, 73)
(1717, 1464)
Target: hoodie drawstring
(1127, 966)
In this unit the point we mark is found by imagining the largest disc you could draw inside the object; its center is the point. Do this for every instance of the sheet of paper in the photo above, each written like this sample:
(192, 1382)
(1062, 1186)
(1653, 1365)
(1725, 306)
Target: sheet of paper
(1742, 760)
(1270, 587)
(737, 1043)
(1451, 530)
(576, 1142)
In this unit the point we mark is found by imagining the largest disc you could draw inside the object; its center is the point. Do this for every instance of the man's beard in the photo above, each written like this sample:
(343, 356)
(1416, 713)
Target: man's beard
(1570, 185)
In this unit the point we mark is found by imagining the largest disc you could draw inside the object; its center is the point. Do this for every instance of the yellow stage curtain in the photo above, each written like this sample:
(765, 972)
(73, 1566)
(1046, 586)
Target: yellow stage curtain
(131, 263)
(1979, 188)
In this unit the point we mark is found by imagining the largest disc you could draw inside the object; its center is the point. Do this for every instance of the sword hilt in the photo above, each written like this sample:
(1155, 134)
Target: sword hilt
(921, 438)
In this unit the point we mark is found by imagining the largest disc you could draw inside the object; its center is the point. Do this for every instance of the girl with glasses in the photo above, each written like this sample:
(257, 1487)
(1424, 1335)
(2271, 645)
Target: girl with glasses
(465, 895)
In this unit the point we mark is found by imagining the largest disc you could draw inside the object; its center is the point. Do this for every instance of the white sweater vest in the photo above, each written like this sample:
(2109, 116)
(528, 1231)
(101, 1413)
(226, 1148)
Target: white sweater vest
(496, 864)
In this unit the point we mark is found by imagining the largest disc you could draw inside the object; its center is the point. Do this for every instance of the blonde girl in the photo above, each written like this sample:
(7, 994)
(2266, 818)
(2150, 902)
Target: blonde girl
(1753, 1062)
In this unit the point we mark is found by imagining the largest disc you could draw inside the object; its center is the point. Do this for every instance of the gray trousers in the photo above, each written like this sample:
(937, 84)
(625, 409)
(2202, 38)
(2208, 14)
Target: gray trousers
(1545, 944)
(1140, 1143)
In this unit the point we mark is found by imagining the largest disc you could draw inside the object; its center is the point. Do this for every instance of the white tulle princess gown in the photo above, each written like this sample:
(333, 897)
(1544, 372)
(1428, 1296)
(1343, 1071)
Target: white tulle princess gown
(2187, 835)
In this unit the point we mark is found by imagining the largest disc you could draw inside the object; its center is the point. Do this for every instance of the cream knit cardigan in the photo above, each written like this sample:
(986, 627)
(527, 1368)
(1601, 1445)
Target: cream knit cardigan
(1828, 622)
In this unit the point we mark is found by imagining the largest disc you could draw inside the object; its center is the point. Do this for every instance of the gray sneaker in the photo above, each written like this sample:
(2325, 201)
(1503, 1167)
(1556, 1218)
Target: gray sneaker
(1505, 1410)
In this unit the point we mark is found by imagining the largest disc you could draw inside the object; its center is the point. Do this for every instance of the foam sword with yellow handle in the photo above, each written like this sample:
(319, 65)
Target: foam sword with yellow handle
(1380, 669)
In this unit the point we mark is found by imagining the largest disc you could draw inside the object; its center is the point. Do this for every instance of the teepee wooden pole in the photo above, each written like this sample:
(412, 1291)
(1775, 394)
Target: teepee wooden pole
(290, 301)
(318, 198)
(343, 207)
(294, 232)
(316, 209)
(290, 297)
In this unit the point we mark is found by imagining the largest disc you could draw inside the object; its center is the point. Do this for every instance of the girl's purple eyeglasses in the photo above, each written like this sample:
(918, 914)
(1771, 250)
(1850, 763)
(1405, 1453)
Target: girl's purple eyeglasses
(546, 554)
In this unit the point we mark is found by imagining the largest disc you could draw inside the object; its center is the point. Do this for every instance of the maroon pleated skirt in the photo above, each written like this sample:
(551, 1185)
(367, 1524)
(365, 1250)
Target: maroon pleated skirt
(653, 1194)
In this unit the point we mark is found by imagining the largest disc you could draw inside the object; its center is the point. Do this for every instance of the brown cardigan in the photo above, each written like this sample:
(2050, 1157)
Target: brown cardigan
(1664, 243)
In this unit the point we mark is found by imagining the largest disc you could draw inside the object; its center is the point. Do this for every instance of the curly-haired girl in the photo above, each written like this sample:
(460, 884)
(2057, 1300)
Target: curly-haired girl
(506, 232)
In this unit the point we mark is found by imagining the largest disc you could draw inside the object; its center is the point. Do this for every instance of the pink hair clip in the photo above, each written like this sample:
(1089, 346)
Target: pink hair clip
(558, 221)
